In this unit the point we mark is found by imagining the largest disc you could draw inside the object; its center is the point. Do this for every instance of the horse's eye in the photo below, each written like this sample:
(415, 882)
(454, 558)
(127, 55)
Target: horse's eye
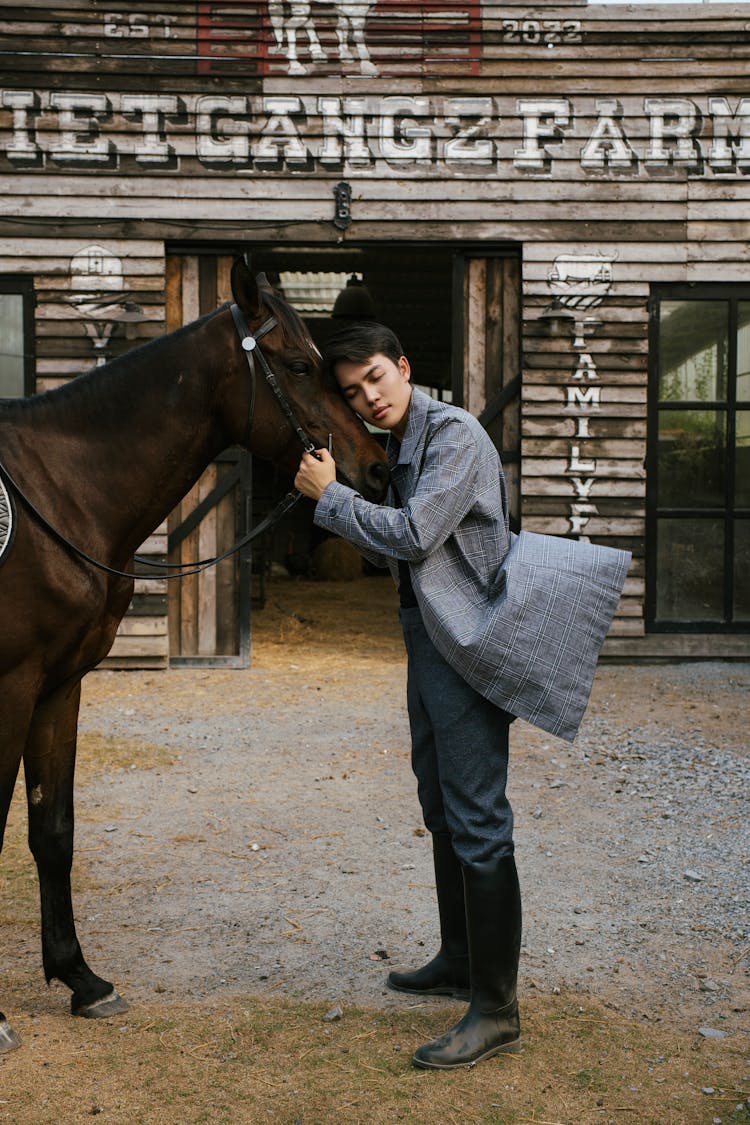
(300, 368)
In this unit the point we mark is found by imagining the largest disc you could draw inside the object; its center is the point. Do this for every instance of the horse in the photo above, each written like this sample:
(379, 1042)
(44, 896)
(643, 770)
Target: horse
(351, 18)
(105, 458)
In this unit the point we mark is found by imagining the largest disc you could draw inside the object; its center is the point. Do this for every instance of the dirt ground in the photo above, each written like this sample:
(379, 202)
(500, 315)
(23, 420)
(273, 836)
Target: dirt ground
(257, 832)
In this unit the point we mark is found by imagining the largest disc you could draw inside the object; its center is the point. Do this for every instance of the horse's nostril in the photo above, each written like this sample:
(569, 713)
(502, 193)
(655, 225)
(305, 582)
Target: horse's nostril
(377, 476)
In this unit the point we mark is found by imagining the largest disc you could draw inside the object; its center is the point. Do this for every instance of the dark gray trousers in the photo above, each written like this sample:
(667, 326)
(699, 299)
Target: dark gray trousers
(459, 752)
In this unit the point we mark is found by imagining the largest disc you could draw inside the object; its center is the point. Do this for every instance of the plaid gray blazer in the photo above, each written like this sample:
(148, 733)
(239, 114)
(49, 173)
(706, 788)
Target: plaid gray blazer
(521, 618)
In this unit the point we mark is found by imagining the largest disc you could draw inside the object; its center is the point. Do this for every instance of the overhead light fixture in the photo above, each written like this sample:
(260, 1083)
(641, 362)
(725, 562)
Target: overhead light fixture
(557, 318)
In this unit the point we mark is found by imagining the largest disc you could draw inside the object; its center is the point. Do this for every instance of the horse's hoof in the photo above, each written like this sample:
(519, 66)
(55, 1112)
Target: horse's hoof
(8, 1038)
(110, 1005)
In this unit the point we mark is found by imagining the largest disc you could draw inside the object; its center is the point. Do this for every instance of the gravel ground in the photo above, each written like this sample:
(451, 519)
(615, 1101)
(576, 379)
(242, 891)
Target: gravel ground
(275, 844)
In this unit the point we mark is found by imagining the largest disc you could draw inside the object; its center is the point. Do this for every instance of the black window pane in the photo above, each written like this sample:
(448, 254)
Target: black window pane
(690, 563)
(743, 352)
(692, 458)
(742, 570)
(742, 460)
(11, 345)
(693, 349)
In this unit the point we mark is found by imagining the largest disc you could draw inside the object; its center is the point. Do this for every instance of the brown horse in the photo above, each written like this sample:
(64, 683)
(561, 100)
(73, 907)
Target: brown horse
(106, 458)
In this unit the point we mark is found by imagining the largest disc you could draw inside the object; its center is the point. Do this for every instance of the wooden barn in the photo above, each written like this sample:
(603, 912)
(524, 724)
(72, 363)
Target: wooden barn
(550, 205)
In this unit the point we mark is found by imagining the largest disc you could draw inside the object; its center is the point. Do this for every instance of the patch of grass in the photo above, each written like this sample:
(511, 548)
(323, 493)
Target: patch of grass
(99, 753)
(248, 1061)
(591, 1078)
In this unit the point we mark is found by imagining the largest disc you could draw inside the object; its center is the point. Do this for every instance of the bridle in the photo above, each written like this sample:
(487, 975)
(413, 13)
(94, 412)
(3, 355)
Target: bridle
(252, 350)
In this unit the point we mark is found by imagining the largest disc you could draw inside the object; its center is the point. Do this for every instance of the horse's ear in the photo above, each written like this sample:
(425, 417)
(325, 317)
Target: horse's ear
(245, 288)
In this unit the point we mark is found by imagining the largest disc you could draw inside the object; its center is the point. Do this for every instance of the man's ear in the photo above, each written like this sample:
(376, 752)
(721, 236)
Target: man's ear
(404, 367)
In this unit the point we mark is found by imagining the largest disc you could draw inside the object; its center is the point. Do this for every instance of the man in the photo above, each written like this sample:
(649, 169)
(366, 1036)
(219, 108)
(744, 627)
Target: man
(477, 656)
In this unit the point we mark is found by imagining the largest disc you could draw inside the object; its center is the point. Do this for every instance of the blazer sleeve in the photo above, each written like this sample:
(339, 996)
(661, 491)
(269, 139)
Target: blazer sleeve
(444, 494)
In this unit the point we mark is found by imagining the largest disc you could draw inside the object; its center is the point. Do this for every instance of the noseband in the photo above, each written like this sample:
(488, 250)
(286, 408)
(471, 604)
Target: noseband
(252, 348)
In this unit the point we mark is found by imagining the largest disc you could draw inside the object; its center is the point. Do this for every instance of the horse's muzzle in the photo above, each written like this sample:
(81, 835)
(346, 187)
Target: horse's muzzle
(377, 476)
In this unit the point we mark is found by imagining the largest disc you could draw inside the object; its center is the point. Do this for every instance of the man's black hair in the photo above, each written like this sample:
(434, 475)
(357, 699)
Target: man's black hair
(358, 342)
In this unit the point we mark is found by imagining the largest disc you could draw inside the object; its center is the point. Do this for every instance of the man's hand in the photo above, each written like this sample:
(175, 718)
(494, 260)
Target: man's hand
(313, 476)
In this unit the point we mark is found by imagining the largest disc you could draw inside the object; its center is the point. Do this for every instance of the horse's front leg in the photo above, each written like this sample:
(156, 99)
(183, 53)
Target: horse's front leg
(49, 765)
(9, 764)
(14, 724)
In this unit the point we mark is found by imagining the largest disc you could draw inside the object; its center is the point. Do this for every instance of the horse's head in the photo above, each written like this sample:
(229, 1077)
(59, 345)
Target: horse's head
(318, 407)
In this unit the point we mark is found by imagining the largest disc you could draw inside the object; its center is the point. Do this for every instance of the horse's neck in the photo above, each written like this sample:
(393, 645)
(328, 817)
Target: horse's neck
(115, 454)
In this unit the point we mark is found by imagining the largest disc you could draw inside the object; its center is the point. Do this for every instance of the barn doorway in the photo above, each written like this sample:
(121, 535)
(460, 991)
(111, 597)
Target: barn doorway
(455, 308)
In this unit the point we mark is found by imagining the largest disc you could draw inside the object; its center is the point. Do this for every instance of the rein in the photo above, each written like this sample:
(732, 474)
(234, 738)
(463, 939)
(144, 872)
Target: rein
(251, 348)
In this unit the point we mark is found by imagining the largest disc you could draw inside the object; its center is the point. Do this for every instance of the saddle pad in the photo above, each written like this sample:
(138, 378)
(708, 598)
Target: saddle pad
(6, 519)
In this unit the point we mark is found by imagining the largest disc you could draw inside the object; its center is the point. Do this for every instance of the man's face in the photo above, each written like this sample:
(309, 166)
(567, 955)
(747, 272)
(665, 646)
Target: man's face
(378, 390)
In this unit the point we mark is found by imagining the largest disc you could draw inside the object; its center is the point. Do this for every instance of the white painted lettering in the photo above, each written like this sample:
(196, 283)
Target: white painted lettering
(279, 140)
(221, 133)
(586, 368)
(581, 510)
(401, 138)
(80, 140)
(590, 397)
(673, 124)
(152, 109)
(469, 145)
(578, 522)
(582, 487)
(576, 465)
(344, 142)
(608, 144)
(543, 120)
(448, 133)
(22, 147)
(730, 147)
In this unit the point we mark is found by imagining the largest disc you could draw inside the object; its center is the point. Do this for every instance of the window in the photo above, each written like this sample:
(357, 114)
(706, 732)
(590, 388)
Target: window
(698, 502)
(16, 337)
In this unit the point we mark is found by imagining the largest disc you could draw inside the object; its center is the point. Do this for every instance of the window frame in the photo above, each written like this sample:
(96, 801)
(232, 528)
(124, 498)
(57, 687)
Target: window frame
(24, 287)
(733, 294)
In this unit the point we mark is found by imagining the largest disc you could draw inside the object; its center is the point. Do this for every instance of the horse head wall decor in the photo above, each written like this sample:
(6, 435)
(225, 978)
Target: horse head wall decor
(106, 458)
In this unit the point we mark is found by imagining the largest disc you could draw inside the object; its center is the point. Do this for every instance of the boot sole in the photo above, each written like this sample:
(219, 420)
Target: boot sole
(454, 993)
(512, 1048)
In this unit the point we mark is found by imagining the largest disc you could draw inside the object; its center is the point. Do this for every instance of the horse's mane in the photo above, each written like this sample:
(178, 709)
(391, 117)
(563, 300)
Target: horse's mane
(103, 381)
(293, 329)
(95, 381)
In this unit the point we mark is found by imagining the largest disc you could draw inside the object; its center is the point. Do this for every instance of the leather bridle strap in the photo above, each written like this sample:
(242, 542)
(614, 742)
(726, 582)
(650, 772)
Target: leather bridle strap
(251, 348)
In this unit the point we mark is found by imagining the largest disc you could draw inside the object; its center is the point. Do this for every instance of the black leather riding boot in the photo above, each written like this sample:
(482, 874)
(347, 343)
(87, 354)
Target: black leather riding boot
(493, 919)
(448, 972)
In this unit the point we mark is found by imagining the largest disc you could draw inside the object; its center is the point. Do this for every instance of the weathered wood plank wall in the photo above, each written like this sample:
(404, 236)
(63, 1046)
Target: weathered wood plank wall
(617, 136)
